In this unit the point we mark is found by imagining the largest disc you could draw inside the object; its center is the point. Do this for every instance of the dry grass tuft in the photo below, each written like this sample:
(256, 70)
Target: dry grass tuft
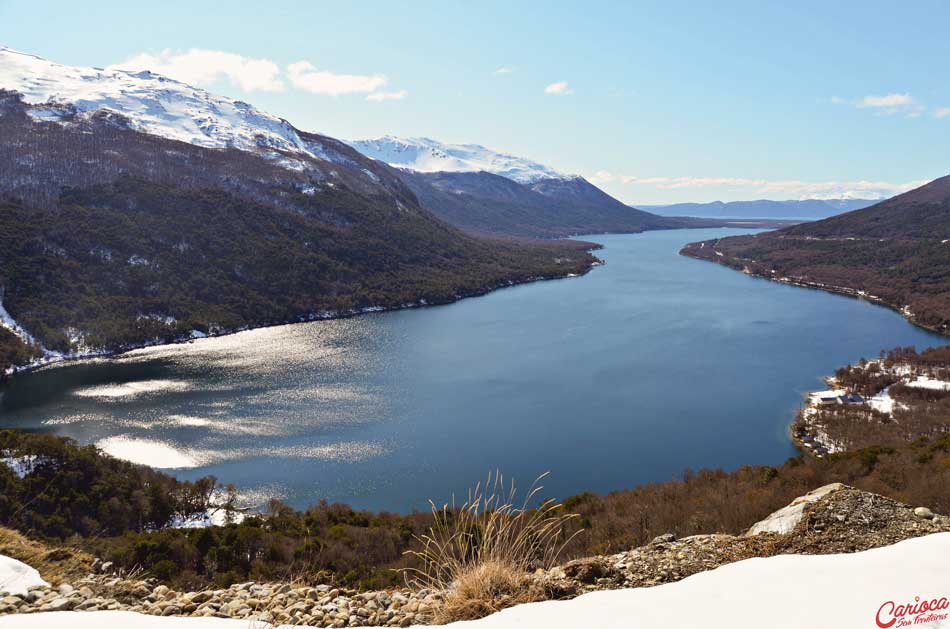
(480, 555)
(486, 588)
(55, 564)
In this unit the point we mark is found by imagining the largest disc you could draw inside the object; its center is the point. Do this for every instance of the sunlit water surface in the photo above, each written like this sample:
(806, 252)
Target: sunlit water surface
(647, 366)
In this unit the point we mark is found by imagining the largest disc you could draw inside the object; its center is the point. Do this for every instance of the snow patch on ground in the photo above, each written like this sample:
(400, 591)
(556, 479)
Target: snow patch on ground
(784, 592)
(10, 323)
(24, 465)
(16, 578)
(923, 382)
(883, 402)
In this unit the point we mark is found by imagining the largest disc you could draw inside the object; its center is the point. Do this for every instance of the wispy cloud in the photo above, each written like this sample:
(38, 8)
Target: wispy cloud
(305, 76)
(381, 96)
(942, 112)
(885, 104)
(504, 70)
(772, 188)
(887, 100)
(560, 88)
(199, 66)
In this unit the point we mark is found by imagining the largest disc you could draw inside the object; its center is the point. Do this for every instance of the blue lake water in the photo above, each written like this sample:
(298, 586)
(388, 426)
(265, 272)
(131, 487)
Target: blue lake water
(649, 365)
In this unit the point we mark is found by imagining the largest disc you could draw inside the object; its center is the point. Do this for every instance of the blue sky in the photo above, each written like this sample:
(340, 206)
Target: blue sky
(656, 101)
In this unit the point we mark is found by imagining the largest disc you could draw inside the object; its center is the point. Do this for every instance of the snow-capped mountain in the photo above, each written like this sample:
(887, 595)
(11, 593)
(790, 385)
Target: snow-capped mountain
(427, 155)
(150, 103)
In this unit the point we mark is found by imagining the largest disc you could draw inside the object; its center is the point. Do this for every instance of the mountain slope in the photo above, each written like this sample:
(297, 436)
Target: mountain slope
(762, 208)
(482, 202)
(483, 191)
(895, 253)
(135, 209)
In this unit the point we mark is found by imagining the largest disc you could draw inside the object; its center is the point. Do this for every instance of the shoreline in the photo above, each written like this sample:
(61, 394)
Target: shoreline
(903, 310)
(55, 358)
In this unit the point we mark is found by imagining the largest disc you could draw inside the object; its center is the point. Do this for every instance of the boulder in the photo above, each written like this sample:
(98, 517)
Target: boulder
(785, 519)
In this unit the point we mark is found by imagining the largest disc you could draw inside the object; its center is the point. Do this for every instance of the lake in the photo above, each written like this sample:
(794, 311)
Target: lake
(649, 365)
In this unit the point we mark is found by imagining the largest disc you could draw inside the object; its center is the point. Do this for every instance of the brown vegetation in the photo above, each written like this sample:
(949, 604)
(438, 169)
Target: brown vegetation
(56, 564)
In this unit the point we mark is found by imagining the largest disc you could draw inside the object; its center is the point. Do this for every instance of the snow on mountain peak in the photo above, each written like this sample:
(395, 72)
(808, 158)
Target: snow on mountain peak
(150, 102)
(427, 155)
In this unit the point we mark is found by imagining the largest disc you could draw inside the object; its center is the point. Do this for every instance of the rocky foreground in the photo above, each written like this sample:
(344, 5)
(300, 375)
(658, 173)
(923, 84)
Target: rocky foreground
(832, 519)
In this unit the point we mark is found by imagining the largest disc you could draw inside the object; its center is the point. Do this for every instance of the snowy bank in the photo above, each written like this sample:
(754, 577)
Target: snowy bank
(16, 577)
(860, 590)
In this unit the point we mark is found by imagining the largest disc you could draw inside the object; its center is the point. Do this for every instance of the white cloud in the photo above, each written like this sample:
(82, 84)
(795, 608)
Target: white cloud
(771, 188)
(885, 104)
(888, 100)
(504, 70)
(560, 88)
(942, 112)
(601, 176)
(199, 67)
(381, 96)
(305, 76)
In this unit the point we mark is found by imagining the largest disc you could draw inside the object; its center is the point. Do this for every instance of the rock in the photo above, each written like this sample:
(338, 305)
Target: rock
(65, 589)
(666, 538)
(105, 567)
(787, 518)
(61, 604)
(586, 570)
(201, 597)
(160, 591)
(924, 513)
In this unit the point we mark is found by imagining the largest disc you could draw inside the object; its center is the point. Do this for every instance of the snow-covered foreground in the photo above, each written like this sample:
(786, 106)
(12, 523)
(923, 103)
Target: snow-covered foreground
(861, 590)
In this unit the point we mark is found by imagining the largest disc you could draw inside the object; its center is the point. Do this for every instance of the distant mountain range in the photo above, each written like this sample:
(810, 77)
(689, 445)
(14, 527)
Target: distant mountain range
(808, 209)
(136, 209)
(896, 252)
